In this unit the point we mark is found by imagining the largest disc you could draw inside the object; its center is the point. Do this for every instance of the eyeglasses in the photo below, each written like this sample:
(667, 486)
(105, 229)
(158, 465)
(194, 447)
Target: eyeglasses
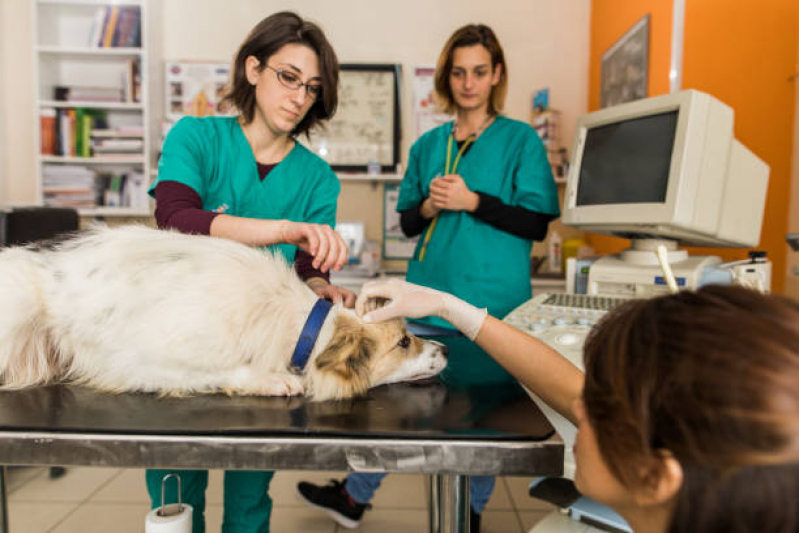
(292, 81)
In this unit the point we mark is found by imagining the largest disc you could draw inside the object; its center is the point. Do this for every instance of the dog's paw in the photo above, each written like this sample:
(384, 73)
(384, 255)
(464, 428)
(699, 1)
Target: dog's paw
(283, 385)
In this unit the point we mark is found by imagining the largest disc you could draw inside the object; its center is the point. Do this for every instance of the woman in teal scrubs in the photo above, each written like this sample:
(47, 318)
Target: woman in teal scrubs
(479, 190)
(246, 178)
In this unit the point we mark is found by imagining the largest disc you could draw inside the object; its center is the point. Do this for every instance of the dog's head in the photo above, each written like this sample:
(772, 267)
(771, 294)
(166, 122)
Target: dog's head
(360, 356)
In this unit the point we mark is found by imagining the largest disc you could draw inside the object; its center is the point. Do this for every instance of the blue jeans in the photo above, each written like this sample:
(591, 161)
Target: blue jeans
(362, 487)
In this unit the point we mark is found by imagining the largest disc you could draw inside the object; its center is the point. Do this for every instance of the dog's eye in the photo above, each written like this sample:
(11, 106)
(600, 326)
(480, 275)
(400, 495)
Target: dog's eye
(404, 342)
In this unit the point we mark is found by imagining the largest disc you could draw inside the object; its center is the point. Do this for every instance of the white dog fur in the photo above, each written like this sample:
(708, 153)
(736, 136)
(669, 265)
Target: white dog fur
(138, 309)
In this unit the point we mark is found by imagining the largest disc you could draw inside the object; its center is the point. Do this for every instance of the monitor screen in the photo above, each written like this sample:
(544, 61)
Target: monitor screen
(628, 161)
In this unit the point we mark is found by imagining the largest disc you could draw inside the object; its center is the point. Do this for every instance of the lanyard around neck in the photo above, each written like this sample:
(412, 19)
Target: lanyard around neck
(469, 140)
(447, 171)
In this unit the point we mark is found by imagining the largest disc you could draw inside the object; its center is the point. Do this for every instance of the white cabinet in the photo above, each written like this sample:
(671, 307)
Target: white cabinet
(91, 105)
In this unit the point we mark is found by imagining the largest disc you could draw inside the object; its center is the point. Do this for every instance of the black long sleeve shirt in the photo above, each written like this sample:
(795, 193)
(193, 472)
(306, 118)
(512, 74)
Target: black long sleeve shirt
(513, 219)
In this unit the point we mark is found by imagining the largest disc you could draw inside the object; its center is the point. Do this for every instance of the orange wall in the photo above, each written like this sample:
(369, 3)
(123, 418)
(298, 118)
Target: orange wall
(742, 56)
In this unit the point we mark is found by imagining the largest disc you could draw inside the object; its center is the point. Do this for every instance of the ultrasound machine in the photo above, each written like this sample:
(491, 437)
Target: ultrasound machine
(662, 172)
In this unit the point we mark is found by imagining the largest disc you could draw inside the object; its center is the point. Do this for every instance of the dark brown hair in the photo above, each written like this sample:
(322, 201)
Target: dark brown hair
(263, 41)
(471, 35)
(712, 377)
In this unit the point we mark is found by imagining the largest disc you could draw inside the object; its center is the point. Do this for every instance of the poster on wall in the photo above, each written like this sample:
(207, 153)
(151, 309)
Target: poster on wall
(425, 110)
(365, 131)
(194, 88)
(395, 244)
(625, 67)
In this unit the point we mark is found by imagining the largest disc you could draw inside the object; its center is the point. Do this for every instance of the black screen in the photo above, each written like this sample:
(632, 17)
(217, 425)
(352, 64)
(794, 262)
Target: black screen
(627, 162)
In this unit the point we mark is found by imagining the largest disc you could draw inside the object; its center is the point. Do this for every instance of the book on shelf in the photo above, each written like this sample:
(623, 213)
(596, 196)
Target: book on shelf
(80, 186)
(71, 130)
(123, 145)
(124, 132)
(131, 82)
(116, 26)
(85, 93)
(47, 124)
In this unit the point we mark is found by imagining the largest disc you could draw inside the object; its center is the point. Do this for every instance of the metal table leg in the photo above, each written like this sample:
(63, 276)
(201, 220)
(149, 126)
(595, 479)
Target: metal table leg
(3, 501)
(449, 503)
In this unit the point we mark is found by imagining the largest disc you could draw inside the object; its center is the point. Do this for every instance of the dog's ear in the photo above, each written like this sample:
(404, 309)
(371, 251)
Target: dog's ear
(342, 369)
(374, 302)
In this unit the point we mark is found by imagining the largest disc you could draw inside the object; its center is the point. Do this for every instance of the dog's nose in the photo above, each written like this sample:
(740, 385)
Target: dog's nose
(444, 351)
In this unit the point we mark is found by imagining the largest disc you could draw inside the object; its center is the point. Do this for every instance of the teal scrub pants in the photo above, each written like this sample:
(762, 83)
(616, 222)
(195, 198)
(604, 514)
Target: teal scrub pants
(247, 502)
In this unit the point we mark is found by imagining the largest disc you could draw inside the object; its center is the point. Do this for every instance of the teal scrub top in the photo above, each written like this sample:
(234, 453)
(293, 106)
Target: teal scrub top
(212, 156)
(467, 257)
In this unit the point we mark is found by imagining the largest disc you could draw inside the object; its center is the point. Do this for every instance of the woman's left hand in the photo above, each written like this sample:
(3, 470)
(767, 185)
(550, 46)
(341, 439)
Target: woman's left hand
(334, 293)
(450, 192)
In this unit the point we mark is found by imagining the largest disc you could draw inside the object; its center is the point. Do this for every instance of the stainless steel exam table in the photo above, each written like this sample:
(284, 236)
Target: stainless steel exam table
(421, 427)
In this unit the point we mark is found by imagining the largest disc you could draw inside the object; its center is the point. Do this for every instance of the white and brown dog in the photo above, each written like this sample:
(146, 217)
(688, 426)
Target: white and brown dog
(138, 309)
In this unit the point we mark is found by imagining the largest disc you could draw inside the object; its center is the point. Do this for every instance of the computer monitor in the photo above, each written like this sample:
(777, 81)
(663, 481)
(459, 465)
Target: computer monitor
(669, 168)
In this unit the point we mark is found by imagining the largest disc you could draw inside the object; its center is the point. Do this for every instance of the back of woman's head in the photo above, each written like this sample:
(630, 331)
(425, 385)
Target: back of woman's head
(266, 39)
(711, 377)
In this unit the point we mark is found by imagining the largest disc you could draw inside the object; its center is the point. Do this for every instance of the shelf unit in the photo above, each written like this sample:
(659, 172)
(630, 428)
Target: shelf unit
(64, 56)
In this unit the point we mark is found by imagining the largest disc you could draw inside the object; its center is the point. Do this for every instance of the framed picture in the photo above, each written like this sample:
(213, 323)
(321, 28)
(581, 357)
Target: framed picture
(625, 67)
(194, 88)
(395, 244)
(365, 131)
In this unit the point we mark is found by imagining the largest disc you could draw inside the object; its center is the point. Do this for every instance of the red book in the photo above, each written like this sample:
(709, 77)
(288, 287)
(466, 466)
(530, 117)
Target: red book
(48, 133)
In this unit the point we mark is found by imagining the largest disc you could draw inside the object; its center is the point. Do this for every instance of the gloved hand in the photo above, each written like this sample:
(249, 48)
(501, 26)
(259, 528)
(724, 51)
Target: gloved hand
(415, 301)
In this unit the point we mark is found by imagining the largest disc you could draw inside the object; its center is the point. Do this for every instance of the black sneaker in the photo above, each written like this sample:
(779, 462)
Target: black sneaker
(334, 500)
(474, 521)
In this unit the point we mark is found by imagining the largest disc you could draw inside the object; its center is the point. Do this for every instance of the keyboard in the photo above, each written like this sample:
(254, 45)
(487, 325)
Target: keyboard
(562, 320)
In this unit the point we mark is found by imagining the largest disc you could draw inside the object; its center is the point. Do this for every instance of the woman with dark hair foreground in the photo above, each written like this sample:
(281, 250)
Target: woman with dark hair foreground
(688, 412)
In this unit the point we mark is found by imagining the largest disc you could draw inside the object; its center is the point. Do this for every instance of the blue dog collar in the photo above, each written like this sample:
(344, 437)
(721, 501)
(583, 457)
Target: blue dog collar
(310, 331)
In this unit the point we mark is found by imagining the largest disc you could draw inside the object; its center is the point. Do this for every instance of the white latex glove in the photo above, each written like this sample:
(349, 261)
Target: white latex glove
(415, 301)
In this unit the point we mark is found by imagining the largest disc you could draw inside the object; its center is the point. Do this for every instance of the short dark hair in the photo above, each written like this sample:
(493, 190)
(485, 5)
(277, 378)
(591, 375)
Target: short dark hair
(263, 41)
(710, 376)
(471, 35)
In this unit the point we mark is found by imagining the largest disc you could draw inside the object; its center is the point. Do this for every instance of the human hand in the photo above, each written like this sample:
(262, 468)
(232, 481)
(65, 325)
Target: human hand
(334, 293)
(320, 240)
(450, 192)
(414, 301)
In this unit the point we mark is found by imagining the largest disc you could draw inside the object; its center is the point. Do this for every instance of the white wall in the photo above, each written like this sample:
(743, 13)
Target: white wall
(3, 78)
(16, 101)
(546, 45)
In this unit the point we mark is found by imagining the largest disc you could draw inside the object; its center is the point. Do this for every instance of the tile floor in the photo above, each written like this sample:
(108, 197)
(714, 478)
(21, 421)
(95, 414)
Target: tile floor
(115, 500)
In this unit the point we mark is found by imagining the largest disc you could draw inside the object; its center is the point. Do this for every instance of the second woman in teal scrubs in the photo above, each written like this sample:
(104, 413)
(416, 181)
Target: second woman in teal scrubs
(478, 191)
(246, 178)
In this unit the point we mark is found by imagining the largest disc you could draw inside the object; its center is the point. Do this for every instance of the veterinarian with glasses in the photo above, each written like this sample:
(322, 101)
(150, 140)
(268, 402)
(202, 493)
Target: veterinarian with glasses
(479, 191)
(247, 179)
(688, 411)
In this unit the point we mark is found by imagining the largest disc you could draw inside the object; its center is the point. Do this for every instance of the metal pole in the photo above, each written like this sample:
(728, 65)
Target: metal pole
(3, 501)
(453, 491)
(677, 37)
(434, 503)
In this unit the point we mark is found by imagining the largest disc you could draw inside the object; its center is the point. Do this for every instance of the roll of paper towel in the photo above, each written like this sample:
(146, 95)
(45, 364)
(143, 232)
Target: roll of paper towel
(177, 522)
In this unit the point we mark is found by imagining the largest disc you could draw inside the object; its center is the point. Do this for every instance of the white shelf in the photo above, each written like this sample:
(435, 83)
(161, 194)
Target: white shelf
(342, 176)
(351, 176)
(120, 106)
(64, 55)
(90, 2)
(72, 160)
(112, 212)
(87, 51)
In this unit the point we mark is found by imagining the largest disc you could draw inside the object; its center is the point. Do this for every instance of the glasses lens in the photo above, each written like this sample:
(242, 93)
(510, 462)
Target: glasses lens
(288, 79)
(314, 90)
